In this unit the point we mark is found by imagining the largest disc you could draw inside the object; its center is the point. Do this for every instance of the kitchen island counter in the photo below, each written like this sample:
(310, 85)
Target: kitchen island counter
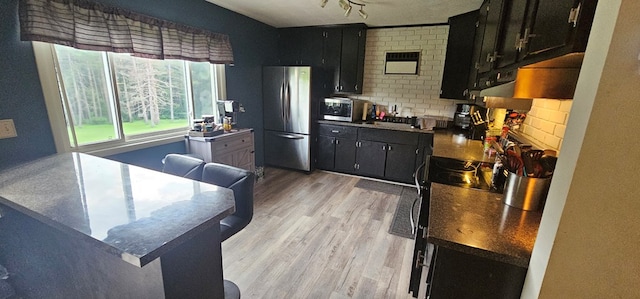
(109, 228)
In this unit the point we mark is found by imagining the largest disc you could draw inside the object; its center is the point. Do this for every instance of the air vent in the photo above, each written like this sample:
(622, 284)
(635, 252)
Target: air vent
(403, 63)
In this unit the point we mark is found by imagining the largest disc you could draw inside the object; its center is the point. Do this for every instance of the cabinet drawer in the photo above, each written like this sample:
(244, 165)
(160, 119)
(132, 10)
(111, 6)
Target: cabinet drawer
(345, 132)
(388, 136)
(232, 143)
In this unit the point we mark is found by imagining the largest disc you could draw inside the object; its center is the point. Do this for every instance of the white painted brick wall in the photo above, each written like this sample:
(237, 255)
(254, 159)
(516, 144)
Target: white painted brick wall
(547, 121)
(413, 94)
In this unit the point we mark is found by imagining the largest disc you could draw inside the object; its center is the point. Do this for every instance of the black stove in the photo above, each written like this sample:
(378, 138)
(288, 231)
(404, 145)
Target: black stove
(461, 173)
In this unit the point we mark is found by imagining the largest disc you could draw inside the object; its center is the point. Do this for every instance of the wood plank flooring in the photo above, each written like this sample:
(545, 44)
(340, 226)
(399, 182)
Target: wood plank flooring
(316, 236)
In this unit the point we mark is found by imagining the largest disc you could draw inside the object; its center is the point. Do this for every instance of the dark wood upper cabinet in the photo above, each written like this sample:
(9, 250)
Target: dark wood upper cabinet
(300, 46)
(337, 49)
(512, 34)
(488, 51)
(508, 49)
(462, 30)
(352, 60)
(557, 25)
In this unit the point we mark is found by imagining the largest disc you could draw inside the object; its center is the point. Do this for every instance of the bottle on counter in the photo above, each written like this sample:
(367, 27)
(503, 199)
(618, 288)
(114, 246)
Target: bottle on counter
(373, 111)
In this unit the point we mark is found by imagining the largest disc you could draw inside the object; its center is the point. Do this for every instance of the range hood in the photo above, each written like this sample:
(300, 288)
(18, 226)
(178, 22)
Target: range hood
(550, 79)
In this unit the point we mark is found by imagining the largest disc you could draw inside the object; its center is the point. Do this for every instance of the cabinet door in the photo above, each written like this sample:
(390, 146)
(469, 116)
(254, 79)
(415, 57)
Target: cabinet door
(458, 58)
(331, 49)
(289, 49)
(345, 158)
(352, 60)
(509, 44)
(549, 28)
(481, 23)
(371, 158)
(326, 152)
(300, 46)
(400, 162)
(490, 37)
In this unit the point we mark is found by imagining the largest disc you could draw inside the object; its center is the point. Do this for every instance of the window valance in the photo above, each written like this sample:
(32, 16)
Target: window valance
(92, 26)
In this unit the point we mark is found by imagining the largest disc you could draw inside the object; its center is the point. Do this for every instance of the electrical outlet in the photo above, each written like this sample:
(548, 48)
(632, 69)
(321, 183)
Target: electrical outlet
(7, 129)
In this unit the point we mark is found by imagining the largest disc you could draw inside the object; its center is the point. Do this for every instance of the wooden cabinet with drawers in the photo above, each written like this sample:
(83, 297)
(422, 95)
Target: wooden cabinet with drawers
(235, 149)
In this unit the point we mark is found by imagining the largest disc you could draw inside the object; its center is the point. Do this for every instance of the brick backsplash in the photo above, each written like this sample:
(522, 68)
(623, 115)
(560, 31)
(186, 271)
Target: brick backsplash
(546, 122)
(413, 94)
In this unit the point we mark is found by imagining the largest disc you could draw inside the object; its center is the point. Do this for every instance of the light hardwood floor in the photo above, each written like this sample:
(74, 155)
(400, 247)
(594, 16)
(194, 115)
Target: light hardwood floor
(316, 236)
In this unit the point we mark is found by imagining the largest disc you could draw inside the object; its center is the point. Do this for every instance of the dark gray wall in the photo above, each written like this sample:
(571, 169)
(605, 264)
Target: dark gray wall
(254, 44)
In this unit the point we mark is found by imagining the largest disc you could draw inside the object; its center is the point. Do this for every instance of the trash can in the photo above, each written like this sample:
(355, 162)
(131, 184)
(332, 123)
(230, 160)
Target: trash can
(524, 192)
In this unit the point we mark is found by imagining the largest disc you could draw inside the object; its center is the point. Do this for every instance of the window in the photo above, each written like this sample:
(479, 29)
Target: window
(106, 100)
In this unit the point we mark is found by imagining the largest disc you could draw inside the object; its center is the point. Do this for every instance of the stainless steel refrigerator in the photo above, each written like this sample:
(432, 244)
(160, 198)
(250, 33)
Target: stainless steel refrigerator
(290, 97)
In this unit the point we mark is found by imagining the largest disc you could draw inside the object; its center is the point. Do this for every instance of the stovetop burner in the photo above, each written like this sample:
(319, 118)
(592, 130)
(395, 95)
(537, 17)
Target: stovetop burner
(461, 173)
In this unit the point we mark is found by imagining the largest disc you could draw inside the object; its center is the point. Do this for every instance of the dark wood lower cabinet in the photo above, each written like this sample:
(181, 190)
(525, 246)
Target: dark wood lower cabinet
(370, 158)
(454, 274)
(400, 163)
(384, 154)
(326, 152)
(345, 155)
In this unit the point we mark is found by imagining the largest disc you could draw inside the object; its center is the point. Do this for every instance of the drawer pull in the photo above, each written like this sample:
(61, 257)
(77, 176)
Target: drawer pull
(335, 131)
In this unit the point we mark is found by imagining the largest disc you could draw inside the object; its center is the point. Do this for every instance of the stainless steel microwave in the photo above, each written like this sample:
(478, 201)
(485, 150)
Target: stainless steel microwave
(342, 109)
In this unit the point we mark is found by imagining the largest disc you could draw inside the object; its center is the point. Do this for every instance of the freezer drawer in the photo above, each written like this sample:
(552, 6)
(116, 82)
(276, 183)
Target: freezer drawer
(287, 150)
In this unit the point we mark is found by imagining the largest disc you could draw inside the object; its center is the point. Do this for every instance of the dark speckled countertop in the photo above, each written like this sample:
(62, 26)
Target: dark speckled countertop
(450, 144)
(131, 212)
(478, 223)
(377, 125)
(475, 221)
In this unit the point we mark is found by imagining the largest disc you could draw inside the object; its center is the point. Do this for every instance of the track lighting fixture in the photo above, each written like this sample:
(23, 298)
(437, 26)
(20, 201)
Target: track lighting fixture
(363, 14)
(346, 5)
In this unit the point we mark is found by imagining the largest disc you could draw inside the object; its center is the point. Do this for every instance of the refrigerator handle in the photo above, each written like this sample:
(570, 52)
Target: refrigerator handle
(288, 103)
(282, 99)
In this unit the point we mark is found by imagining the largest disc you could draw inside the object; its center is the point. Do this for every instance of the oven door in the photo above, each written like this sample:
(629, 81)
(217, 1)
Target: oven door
(420, 252)
(417, 282)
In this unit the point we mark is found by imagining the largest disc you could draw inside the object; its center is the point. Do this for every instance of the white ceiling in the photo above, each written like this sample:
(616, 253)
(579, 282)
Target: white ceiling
(293, 13)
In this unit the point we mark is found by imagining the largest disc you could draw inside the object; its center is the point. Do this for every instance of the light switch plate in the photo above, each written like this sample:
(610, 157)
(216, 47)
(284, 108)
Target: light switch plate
(7, 129)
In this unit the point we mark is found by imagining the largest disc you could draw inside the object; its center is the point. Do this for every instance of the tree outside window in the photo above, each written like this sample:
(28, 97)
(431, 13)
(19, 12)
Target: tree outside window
(114, 96)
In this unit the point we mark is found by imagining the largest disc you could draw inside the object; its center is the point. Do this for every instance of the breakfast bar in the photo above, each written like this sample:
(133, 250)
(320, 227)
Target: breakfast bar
(77, 226)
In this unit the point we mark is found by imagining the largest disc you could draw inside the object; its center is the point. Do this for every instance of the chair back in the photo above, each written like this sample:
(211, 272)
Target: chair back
(239, 180)
(184, 166)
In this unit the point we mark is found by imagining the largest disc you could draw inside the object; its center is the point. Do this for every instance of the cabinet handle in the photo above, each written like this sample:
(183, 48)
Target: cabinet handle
(419, 259)
(356, 87)
(574, 14)
(417, 151)
(335, 131)
(389, 148)
(337, 141)
(384, 147)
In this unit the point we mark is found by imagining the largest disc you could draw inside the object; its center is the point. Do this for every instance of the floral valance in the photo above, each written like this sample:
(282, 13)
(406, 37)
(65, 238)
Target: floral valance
(92, 26)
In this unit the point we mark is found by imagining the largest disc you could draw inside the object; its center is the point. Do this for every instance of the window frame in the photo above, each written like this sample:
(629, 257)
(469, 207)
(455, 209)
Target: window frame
(46, 63)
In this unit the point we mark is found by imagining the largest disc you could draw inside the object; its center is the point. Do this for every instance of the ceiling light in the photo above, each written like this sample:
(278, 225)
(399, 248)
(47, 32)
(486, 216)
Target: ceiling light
(343, 4)
(363, 14)
(347, 5)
